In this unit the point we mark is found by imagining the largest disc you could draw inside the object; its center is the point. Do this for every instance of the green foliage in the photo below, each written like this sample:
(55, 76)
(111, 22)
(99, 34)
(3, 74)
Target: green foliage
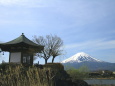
(80, 73)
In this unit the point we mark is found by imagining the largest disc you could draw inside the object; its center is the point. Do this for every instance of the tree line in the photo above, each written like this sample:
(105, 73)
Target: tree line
(52, 46)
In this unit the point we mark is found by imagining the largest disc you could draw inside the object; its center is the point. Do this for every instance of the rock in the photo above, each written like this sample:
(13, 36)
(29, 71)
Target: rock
(80, 83)
(64, 83)
(70, 83)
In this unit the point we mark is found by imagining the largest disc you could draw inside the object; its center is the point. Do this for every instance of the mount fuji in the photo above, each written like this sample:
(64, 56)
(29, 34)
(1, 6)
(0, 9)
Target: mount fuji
(83, 59)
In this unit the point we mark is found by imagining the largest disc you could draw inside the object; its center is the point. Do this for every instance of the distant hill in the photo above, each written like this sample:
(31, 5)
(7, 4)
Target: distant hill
(1, 41)
(83, 59)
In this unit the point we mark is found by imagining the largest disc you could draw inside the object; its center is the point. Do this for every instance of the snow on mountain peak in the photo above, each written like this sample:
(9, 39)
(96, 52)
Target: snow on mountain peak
(80, 57)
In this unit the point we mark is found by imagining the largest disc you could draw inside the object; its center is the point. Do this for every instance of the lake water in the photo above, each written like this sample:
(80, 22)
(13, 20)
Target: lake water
(100, 81)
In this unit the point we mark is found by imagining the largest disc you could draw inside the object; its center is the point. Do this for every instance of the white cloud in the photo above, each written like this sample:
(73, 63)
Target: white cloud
(78, 12)
(10, 2)
(93, 45)
(84, 12)
(26, 3)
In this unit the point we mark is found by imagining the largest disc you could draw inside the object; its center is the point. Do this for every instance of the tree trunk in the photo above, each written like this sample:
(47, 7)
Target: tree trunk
(45, 61)
(53, 59)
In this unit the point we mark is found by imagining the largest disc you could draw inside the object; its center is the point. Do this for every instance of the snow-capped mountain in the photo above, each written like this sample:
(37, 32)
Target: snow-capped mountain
(81, 57)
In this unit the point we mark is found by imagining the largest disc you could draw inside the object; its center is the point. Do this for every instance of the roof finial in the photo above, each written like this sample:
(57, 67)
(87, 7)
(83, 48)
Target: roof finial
(22, 33)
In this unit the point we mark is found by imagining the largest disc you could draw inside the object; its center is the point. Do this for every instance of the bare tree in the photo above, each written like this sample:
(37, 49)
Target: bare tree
(57, 44)
(46, 52)
(52, 46)
(55, 52)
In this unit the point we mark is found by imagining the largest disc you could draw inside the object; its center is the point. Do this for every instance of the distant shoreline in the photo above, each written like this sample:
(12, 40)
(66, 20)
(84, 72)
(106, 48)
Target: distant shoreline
(100, 81)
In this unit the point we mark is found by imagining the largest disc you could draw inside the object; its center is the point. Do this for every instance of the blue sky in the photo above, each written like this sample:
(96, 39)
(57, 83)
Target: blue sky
(84, 25)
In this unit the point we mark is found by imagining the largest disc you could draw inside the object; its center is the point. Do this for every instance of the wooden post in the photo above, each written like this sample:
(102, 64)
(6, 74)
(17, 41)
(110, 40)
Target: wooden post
(31, 59)
(9, 56)
(21, 57)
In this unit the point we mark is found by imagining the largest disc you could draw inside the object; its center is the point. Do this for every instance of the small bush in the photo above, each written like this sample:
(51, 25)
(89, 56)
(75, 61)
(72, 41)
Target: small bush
(80, 73)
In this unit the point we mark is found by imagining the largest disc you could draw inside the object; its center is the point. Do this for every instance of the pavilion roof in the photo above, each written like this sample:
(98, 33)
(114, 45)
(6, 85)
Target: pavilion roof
(20, 40)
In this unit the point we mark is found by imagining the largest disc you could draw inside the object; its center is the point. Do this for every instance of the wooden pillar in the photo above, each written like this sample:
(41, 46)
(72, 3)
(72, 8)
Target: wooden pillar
(21, 58)
(9, 56)
(31, 59)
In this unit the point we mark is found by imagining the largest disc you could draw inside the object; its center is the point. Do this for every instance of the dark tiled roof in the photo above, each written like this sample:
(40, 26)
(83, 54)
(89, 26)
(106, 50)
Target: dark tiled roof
(21, 39)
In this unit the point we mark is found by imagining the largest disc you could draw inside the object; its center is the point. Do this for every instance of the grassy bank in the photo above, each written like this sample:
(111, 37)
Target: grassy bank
(18, 75)
(40, 75)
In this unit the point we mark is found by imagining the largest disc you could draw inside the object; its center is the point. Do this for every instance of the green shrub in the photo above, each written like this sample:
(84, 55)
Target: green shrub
(80, 73)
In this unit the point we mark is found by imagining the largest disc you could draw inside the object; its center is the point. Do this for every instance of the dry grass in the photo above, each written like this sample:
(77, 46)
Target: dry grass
(23, 76)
